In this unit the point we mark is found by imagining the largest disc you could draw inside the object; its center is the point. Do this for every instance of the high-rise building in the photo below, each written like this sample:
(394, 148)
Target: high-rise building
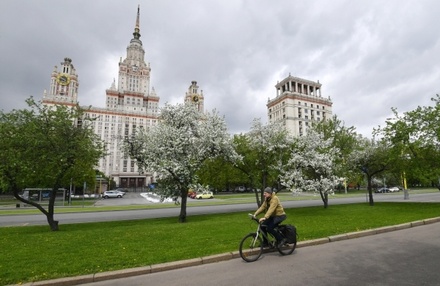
(129, 105)
(297, 103)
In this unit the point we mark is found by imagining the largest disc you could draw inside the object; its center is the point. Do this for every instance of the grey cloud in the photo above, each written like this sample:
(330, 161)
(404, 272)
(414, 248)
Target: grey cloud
(369, 55)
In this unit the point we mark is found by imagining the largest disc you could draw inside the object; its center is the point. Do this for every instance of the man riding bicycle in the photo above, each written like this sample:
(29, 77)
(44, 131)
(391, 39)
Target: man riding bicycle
(274, 214)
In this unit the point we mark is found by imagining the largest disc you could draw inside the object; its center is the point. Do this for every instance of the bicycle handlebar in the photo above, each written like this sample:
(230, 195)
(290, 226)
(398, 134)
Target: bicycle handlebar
(252, 217)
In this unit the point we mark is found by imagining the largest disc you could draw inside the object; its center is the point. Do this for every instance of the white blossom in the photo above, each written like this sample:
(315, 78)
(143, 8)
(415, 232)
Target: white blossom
(311, 166)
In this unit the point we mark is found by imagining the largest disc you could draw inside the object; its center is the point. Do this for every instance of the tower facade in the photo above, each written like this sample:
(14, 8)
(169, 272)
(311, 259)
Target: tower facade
(193, 96)
(297, 103)
(63, 85)
(129, 105)
(133, 92)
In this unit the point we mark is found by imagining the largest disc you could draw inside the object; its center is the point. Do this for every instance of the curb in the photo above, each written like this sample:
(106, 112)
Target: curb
(124, 273)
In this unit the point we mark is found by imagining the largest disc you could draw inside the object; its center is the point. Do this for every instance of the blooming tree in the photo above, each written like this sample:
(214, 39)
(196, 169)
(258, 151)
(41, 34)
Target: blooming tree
(372, 157)
(344, 139)
(264, 150)
(311, 166)
(177, 146)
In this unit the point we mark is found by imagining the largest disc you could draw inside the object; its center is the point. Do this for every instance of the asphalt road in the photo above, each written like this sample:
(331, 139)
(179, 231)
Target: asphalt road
(404, 257)
(83, 217)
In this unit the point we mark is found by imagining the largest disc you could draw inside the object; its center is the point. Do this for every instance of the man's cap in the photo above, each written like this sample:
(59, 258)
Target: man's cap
(268, 190)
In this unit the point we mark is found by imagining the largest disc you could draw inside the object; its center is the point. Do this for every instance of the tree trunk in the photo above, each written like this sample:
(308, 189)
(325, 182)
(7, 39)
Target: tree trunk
(182, 215)
(324, 197)
(370, 191)
(257, 198)
(263, 184)
(53, 224)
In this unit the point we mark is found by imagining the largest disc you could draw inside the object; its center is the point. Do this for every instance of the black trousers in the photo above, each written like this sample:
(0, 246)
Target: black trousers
(271, 223)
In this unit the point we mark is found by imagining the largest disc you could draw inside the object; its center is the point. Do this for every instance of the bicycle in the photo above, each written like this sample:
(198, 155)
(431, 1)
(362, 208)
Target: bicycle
(251, 246)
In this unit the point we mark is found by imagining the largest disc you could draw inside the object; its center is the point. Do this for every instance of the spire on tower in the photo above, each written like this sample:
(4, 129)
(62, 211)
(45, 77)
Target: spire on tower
(136, 27)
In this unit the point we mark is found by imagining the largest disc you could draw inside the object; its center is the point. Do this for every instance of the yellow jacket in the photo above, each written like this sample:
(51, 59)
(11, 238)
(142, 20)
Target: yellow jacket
(272, 206)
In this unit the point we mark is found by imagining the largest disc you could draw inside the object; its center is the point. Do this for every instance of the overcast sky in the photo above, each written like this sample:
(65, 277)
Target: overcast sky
(369, 56)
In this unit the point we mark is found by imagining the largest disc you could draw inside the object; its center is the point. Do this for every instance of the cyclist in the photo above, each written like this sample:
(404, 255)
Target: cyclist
(274, 214)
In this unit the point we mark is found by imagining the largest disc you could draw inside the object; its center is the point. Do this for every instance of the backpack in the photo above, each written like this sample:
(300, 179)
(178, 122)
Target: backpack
(289, 232)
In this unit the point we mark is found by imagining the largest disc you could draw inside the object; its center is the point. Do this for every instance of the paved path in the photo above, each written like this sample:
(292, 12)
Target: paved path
(404, 257)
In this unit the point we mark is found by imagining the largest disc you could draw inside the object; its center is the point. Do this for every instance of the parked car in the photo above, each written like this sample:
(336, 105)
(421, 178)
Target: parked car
(394, 189)
(205, 195)
(113, 194)
(192, 195)
(382, 190)
(240, 189)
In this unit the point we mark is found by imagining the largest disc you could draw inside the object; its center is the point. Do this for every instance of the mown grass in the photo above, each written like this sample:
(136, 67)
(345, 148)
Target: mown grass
(34, 253)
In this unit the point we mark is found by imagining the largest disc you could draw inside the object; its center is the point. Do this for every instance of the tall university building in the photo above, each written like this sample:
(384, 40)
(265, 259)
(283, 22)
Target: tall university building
(298, 102)
(133, 103)
(129, 105)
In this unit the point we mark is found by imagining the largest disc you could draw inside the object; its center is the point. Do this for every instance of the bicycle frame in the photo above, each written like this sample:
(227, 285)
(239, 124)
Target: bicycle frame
(251, 246)
(266, 235)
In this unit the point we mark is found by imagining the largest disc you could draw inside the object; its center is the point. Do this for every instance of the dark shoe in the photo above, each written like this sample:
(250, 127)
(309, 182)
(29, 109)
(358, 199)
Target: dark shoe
(269, 244)
(282, 242)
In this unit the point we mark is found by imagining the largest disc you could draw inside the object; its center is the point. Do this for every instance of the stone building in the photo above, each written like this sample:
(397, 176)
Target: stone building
(297, 103)
(129, 105)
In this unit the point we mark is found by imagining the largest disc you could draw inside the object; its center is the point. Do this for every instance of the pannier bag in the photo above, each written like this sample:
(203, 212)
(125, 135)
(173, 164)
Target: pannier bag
(289, 232)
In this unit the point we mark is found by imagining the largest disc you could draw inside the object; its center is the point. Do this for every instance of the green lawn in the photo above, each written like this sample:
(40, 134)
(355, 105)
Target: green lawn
(34, 253)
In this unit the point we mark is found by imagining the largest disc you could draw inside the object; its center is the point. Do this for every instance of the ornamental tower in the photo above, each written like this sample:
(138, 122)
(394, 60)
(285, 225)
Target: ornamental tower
(194, 97)
(63, 85)
(133, 91)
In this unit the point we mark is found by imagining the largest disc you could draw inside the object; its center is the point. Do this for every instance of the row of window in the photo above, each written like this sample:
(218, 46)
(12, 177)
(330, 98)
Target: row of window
(118, 119)
(312, 106)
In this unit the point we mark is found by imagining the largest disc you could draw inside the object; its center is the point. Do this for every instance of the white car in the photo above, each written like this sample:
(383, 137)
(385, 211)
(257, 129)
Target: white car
(394, 189)
(113, 194)
(204, 195)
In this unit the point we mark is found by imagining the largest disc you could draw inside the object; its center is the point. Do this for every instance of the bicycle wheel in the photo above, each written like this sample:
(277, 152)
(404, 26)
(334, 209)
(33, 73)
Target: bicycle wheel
(251, 247)
(286, 248)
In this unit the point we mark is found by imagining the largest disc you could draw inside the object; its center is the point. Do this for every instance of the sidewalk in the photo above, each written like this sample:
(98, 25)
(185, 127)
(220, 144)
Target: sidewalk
(105, 276)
